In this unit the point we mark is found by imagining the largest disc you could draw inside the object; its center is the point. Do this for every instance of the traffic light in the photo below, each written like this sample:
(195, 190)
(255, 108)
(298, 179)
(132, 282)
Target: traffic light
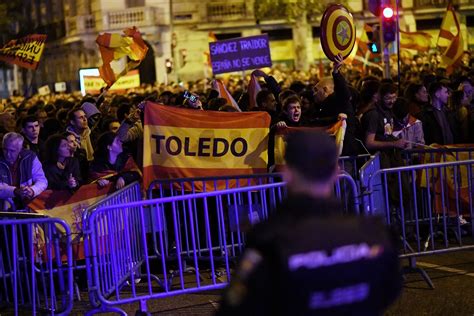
(373, 37)
(374, 48)
(389, 24)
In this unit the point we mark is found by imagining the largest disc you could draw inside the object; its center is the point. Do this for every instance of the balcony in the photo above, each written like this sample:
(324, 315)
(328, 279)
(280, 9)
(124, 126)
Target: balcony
(81, 24)
(139, 17)
(432, 4)
(229, 11)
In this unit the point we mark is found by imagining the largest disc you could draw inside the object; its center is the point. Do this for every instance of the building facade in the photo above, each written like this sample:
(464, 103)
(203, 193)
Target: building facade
(178, 31)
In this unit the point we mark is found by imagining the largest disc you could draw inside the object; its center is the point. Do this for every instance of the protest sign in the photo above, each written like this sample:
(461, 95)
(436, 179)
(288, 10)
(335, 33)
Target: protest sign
(60, 86)
(240, 54)
(44, 90)
(182, 143)
(93, 83)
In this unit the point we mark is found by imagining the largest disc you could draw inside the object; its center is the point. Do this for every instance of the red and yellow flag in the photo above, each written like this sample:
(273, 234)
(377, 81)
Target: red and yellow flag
(224, 93)
(338, 130)
(114, 47)
(450, 185)
(419, 41)
(253, 89)
(450, 41)
(25, 52)
(183, 143)
(69, 206)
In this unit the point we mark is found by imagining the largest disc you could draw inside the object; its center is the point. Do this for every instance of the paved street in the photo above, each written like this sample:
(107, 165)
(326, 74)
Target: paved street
(452, 275)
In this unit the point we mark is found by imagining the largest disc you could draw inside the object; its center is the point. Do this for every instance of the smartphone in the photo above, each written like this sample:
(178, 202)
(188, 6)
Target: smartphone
(191, 97)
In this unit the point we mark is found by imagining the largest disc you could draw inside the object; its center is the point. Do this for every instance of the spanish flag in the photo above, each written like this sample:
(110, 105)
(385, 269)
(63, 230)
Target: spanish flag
(69, 206)
(337, 130)
(183, 143)
(224, 93)
(25, 52)
(114, 47)
(419, 41)
(450, 41)
(253, 89)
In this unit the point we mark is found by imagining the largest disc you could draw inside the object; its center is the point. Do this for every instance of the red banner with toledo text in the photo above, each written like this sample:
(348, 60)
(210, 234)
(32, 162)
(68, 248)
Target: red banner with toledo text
(182, 143)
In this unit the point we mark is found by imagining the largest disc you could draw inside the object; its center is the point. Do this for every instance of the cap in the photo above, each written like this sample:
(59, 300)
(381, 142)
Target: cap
(313, 154)
(90, 109)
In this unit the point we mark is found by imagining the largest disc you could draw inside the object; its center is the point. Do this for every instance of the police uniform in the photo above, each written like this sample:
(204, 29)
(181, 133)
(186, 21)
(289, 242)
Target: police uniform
(308, 259)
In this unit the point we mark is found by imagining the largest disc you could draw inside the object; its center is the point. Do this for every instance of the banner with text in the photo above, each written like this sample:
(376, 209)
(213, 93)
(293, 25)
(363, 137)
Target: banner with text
(25, 52)
(182, 143)
(93, 84)
(239, 54)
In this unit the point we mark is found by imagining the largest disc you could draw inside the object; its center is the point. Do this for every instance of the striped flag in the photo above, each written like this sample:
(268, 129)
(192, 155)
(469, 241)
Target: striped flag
(114, 47)
(224, 93)
(337, 130)
(183, 143)
(450, 41)
(253, 90)
(69, 206)
(419, 41)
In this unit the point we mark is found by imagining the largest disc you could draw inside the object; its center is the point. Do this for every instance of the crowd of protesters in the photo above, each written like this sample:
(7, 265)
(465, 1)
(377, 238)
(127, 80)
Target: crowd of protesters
(62, 141)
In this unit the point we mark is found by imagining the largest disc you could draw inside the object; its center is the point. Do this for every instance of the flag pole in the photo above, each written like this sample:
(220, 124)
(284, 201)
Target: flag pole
(397, 3)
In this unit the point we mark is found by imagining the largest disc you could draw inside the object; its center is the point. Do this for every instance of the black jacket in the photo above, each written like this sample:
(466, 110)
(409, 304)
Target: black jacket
(58, 178)
(336, 103)
(431, 129)
(314, 261)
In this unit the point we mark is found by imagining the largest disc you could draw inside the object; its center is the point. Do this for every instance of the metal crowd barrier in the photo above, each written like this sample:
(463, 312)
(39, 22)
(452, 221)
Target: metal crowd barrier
(352, 164)
(130, 193)
(35, 265)
(428, 205)
(433, 155)
(123, 270)
(173, 187)
(195, 241)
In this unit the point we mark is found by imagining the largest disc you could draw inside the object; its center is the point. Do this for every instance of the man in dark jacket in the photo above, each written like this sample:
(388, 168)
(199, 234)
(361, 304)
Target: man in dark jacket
(309, 258)
(332, 97)
(436, 127)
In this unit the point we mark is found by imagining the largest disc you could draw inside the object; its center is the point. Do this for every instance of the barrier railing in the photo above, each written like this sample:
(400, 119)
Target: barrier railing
(177, 244)
(124, 272)
(172, 187)
(35, 264)
(130, 193)
(433, 155)
(352, 164)
(428, 203)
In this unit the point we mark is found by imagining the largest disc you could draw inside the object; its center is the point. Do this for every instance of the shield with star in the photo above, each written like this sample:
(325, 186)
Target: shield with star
(338, 33)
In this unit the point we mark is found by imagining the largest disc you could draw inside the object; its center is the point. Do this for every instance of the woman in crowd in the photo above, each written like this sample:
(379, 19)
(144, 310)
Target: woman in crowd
(111, 164)
(78, 153)
(61, 168)
(418, 97)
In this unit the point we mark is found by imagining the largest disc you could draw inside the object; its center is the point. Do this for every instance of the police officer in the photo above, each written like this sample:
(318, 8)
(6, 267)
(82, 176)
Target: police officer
(309, 258)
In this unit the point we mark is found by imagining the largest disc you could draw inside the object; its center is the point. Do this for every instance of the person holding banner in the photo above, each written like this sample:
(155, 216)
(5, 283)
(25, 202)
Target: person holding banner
(309, 258)
(112, 164)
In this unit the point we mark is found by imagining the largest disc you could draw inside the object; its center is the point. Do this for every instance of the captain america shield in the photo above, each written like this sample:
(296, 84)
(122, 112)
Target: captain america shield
(338, 33)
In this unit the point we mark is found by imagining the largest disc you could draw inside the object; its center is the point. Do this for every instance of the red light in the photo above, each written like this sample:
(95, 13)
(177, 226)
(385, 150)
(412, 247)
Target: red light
(387, 13)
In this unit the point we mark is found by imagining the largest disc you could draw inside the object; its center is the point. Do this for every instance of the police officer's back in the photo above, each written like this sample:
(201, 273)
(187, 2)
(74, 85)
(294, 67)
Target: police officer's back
(309, 258)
